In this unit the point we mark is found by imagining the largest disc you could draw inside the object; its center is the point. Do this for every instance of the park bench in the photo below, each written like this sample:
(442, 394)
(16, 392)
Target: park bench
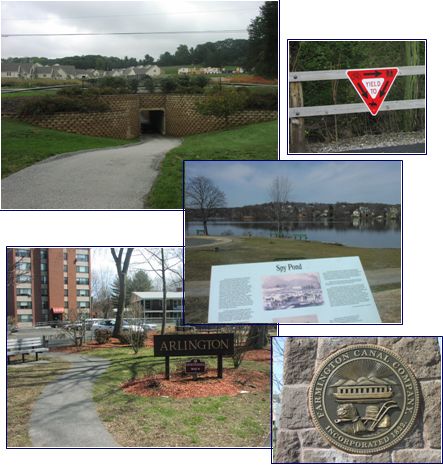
(200, 232)
(301, 236)
(32, 345)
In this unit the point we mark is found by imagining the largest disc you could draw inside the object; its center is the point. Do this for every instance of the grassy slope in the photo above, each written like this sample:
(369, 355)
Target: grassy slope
(24, 386)
(256, 249)
(30, 93)
(167, 422)
(252, 142)
(24, 144)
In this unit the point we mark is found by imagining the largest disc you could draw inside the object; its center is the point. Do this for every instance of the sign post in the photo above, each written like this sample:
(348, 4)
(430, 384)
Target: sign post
(372, 85)
(194, 344)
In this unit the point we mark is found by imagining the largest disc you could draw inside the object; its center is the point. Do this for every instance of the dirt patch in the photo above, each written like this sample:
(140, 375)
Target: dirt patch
(234, 382)
(389, 305)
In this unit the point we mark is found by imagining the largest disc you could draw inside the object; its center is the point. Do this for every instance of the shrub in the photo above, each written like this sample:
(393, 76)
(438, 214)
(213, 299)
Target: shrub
(102, 336)
(70, 91)
(136, 339)
(258, 101)
(200, 81)
(168, 84)
(60, 104)
(222, 104)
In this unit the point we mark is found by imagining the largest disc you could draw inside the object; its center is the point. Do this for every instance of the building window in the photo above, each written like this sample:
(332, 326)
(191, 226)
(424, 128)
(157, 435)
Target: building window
(23, 253)
(24, 291)
(82, 257)
(23, 266)
(82, 269)
(65, 280)
(24, 318)
(43, 254)
(43, 266)
(22, 305)
(44, 279)
(65, 256)
(45, 304)
(23, 278)
(44, 291)
(66, 304)
(83, 281)
(66, 292)
(65, 268)
(82, 292)
(82, 304)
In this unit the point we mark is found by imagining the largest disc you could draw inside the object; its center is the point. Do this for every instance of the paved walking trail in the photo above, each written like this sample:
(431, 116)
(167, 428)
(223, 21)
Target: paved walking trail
(65, 415)
(111, 178)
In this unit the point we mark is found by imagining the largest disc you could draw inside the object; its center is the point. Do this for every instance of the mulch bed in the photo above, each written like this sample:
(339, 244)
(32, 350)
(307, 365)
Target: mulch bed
(260, 355)
(234, 382)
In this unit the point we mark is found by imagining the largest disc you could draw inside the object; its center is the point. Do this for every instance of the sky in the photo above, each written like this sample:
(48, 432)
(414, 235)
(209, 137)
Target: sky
(248, 182)
(102, 262)
(119, 16)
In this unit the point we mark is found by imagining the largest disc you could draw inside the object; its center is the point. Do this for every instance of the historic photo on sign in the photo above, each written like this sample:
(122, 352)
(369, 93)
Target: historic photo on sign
(292, 291)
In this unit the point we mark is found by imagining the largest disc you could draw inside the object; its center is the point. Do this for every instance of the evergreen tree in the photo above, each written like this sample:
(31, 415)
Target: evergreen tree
(263, 41)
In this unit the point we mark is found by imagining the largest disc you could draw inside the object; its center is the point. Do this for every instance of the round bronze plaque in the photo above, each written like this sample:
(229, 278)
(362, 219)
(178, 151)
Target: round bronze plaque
(364, 399)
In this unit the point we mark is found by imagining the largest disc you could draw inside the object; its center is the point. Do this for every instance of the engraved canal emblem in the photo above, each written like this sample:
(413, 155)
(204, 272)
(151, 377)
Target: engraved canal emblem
(364, 399)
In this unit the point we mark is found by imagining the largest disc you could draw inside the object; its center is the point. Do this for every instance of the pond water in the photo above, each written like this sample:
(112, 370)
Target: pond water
(370, 234)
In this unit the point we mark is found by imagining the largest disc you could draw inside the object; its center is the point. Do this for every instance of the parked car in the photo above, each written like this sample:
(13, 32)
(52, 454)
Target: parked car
(103, 324)
(149, 326)
(90, 321)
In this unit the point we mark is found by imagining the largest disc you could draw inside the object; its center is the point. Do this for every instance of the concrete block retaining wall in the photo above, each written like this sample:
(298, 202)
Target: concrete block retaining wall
(123, 119)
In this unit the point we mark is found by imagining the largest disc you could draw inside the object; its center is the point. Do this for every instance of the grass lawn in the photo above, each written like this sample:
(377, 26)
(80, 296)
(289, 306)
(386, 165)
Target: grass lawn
(24, 144)
(30, 93)
(252, 142)
(25, 384)
(238, 421)
(258, 249)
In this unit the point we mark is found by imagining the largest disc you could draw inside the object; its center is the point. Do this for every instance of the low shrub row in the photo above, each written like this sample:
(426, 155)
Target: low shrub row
(61, 104)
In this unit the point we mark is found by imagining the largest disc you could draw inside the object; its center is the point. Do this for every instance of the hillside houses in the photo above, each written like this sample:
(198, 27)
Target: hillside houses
(209, 71)
(66, 72)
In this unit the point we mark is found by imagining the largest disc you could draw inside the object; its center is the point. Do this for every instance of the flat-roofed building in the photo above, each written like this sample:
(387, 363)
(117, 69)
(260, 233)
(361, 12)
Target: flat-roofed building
(151, 304)
(46, 284)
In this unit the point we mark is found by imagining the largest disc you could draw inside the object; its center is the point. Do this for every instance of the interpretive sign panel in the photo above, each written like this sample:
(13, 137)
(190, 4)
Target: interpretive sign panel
(330, 290)
(195, 366)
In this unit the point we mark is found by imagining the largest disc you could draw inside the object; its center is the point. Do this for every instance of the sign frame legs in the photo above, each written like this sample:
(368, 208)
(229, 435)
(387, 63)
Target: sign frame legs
(219, 366)
(167, 371)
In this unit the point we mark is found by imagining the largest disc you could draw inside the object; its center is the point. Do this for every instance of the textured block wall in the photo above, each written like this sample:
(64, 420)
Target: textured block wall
(299, 441)
(123, 121)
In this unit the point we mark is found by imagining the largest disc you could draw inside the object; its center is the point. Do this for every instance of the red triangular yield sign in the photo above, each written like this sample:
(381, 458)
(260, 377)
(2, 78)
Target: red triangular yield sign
(372, 85)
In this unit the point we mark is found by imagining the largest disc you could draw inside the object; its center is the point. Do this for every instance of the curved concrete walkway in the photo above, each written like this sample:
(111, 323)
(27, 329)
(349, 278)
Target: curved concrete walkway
(64, 415)
(113, 178)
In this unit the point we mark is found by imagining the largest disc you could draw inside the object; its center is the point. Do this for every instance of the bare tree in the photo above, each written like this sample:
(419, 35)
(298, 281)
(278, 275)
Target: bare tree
(102, 290)
(277, 360)
(122, 263)
(167, 264)
(279, 192)
(203, 195)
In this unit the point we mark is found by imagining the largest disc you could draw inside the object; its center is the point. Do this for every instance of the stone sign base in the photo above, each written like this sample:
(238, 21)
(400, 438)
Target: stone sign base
(298, 441)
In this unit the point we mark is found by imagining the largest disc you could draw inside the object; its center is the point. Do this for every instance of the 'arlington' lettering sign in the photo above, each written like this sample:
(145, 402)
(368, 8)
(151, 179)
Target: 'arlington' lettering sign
(193, 344)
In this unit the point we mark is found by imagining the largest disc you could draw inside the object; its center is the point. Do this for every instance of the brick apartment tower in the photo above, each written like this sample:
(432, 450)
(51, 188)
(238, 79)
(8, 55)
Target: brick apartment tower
(48, 284)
